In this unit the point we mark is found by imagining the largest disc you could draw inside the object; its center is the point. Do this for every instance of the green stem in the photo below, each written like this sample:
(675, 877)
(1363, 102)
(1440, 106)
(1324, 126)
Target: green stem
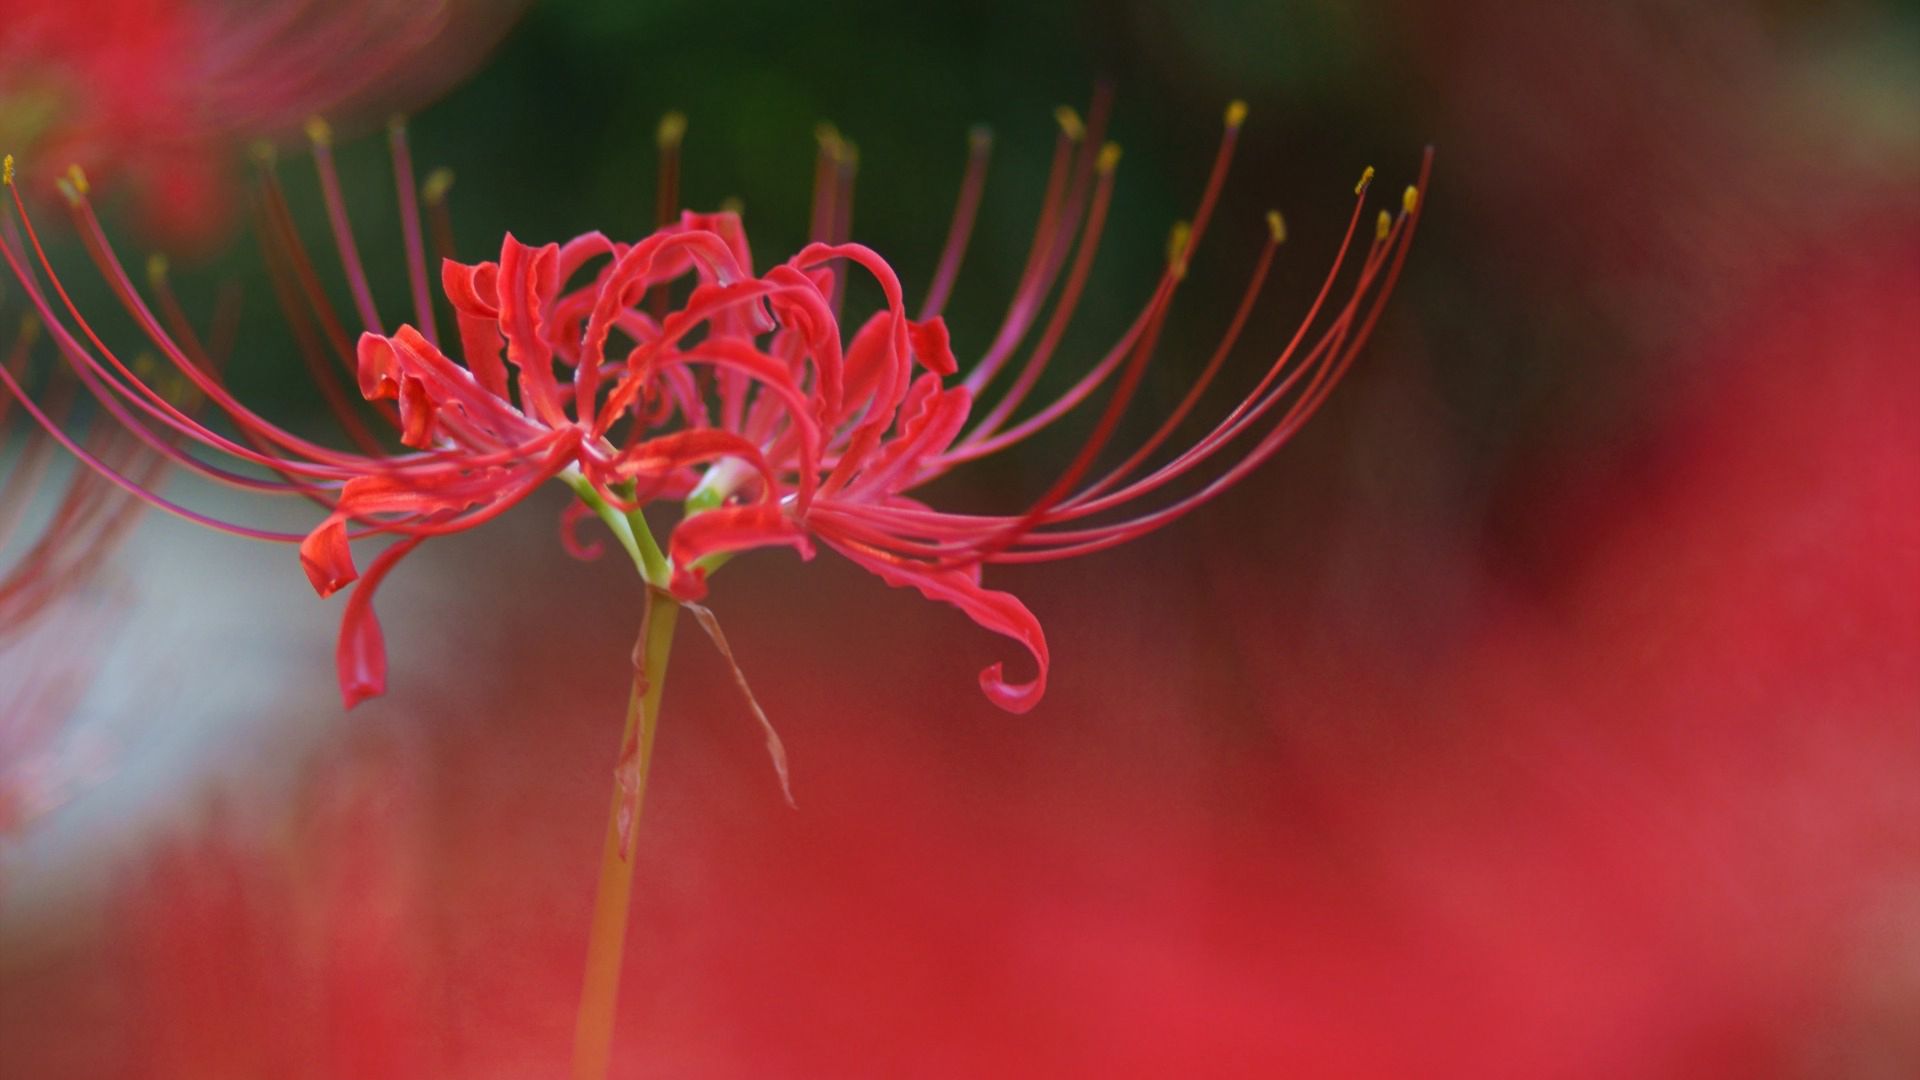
(629, 528)
(606, 942)
(653, 561)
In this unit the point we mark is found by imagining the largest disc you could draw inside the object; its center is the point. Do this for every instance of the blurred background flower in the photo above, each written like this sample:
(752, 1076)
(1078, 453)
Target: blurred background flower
(153, 95)
(1547, 710)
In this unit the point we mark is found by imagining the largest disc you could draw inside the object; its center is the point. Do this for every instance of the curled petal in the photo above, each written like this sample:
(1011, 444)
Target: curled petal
(933, 419)
(726, 225)
(327, 557)
(866, 358)
(933, 346)
(361, 656)
(728, 528)
(364, 496)
(480, 342)
(1000, 612)
(474, 289)
(570, 518)
(417, 413)
(529, 278)
(668, 453)
(378, 368)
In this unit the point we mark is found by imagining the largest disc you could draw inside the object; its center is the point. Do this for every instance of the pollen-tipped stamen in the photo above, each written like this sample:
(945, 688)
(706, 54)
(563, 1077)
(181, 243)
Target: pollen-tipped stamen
(320, 138)
(1063, 311)
(1077, 151)
(973, 183)
(410, 232)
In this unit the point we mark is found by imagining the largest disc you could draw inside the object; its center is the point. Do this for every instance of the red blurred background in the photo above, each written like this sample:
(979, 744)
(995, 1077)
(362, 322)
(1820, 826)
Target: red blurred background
(1551, 708)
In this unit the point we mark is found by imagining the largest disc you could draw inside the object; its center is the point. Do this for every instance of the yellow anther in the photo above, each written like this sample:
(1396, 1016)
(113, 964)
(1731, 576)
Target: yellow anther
(29, 331)
(145, 366)
(1366, 177)
(732, 204)
(849, 154)
(1070, 122)
(1277, 225)
(439, 181)
(832, 144)
(980, 137)
(397, 123)
(67, 189)
(262, 152)
(672, 129)
(156, 268)
(319, 132)
(1109, 157)
(79, 177)
(6, 170)
(1409, 199)
(1236, 113)
(1177, 243)
(1382, 226)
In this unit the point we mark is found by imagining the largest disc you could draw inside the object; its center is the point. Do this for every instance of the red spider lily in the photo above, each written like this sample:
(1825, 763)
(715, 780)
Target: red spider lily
(738, 393)
(156, 90)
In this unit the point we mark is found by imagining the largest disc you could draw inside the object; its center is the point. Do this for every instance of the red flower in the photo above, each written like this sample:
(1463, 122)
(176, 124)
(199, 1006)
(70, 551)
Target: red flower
(156, 91)
(740, 394)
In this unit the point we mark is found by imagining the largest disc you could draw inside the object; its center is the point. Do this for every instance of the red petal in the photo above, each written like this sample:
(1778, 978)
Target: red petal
(378, 368)
(932, 345)
(866, 359)
(1000, 612)
(570, 519)
(529, 279)
(729, 528)
(417, 413)
(327, 558)
(472, 289)
(361, 656)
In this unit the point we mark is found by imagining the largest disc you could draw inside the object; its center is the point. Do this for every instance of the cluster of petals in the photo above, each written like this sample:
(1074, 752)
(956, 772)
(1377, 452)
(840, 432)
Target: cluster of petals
(671, 369)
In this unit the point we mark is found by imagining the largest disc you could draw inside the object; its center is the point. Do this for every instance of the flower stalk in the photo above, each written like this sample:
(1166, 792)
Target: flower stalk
(606, 940)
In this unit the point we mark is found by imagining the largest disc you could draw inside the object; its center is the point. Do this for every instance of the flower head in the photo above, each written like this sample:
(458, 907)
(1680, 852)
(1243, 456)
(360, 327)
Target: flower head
(670, 369)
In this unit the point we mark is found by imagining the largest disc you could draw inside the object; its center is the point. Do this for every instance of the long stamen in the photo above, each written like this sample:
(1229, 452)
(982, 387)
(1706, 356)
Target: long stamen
(1276, 233)
(320, 368)
(1260, 398)
(300, 263)
(105, 384)
(433, 192)
(410, 227)
(182, 330)
(957, 536)
(1069, 300)
(1384, 263)
(979, 444)
(671, 133)
(842, 231)
(100, 250)
(973, 183)
(129, 485)
(669, 137)
(320, 135)
(1053, 239)
(1021, 304)
(826, 181)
